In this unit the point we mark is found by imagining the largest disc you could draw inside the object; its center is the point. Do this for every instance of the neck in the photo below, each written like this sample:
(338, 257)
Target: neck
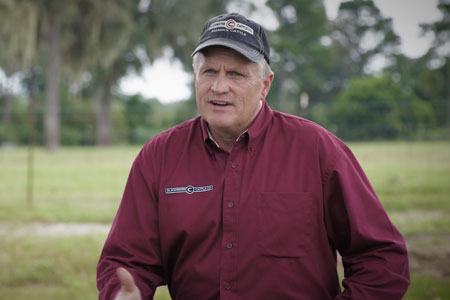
(227, 138)
(224, 140)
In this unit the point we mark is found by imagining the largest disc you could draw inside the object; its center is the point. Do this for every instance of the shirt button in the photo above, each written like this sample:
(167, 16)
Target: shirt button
(229, 245)
(233, 165)
(230, 204)
(228, 287)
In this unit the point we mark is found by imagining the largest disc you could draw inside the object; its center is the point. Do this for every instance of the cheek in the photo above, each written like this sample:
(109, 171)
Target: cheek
(199, 92)
(202, 87)
(255, 91)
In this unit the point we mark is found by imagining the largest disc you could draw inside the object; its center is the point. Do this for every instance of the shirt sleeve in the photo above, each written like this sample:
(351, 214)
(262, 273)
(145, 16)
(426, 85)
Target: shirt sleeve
(133, 241)
(372, 249)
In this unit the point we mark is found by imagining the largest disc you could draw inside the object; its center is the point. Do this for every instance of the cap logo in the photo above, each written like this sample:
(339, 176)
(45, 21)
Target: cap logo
(230, 25)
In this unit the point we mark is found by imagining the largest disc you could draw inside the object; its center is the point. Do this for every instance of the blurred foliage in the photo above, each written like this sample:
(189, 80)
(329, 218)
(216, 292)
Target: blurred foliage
(374, 108)
(361, 34)
(300, 61)
(327, 63)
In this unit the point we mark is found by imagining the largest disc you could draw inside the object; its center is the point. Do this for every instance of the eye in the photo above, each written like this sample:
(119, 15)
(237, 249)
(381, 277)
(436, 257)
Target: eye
(234, 73)
(209, 71)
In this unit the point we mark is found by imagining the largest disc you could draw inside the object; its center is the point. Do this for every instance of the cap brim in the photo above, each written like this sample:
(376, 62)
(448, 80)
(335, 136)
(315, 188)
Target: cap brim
(243, 49)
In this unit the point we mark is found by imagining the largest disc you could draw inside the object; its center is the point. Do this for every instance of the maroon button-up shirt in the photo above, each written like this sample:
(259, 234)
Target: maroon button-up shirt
(261, 222)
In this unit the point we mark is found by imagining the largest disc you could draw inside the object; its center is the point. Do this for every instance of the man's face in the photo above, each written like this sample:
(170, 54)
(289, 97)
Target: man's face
(228, 90)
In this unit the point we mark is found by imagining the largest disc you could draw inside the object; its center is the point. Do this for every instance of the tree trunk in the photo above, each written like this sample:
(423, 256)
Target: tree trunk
(6, 109)
(52, 117)
(104, 132)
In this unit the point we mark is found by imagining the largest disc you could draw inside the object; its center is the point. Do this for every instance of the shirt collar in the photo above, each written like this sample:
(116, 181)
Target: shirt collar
(210, 136)
(254, 131)
(209, 143)
(205, 130)
(262, 120)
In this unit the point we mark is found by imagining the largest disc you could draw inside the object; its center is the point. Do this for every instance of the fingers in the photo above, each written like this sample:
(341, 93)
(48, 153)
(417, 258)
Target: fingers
(126, 279)
(129, 290)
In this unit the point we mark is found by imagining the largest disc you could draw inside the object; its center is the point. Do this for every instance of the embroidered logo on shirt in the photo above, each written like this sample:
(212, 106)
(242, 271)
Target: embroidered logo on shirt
(189, 189)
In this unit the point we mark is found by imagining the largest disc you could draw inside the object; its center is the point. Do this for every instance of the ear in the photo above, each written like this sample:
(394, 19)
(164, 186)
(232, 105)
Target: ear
(267, 82)
(195, 79)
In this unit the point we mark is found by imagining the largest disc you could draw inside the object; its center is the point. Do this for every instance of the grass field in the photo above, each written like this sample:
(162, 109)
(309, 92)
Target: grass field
(84, 185)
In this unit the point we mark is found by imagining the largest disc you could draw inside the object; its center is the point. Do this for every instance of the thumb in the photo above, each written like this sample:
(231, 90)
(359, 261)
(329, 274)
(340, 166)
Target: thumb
(126, 279)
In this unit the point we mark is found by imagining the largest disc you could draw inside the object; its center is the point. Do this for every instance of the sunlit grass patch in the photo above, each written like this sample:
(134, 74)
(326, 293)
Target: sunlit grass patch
(72, 184)
(408, 175)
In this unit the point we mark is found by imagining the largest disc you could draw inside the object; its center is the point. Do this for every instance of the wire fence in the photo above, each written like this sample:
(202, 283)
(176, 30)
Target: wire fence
(128, 125)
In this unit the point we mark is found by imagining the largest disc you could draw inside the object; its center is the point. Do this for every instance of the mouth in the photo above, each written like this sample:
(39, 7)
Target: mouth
(220, 103)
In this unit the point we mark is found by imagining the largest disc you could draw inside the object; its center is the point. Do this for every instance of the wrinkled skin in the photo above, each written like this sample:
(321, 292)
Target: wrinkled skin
(229, 93)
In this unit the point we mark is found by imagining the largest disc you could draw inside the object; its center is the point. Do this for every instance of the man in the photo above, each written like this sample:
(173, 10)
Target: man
(245, 202)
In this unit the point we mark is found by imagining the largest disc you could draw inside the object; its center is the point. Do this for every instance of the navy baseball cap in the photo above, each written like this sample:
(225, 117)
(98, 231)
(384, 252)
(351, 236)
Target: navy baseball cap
(238, 33)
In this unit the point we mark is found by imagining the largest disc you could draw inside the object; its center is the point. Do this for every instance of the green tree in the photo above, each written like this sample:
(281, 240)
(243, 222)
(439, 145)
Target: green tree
(361, 34)
(109, 26)
(17, 52)
(427, 77)
(141, 115)
(156, 25)
(52, 44)
(301, 59)
(439, 57)
(428, 84)
(94, 43)
(374, 108)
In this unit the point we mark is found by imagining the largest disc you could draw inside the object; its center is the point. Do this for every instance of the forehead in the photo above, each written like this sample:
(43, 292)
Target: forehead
(218, 54)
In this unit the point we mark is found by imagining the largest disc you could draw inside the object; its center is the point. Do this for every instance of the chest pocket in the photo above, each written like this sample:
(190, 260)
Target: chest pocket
(284, 221)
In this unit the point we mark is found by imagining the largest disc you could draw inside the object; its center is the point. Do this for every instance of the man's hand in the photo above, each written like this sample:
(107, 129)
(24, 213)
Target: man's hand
(129, 290)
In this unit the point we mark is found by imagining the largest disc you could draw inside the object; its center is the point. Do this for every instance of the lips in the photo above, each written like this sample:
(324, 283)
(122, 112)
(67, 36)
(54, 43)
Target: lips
(220, 103)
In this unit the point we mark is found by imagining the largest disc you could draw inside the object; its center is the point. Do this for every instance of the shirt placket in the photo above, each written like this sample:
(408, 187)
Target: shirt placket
(230, 205)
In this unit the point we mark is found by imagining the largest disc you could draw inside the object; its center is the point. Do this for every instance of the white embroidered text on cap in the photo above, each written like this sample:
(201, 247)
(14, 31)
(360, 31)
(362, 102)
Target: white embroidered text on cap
(231, 24)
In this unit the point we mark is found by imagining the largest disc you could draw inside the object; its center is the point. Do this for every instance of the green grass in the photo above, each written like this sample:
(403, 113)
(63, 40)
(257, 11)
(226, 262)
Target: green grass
(408, 175)
(415, 222)
(70, 185)
(86, 184)
(427, 287)
(36, 268)
(51, 267)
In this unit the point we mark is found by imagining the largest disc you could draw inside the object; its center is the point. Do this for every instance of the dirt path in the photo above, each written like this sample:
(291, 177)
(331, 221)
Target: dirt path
(428, 254)
(53, 229)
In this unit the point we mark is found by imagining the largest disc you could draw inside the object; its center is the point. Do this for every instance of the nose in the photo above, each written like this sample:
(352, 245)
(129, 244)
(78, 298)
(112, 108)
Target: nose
(220, 84)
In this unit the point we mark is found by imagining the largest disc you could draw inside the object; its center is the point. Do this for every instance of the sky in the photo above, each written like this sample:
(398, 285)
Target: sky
(406, 16)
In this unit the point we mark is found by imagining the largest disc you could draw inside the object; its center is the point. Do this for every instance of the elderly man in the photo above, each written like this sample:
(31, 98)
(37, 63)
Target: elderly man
(244, 202)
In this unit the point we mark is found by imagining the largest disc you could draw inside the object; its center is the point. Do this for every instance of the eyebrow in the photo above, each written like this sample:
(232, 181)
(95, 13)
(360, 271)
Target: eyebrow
(235, 68)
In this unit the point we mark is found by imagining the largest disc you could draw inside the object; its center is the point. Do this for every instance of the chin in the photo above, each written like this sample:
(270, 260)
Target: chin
(219, 124)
